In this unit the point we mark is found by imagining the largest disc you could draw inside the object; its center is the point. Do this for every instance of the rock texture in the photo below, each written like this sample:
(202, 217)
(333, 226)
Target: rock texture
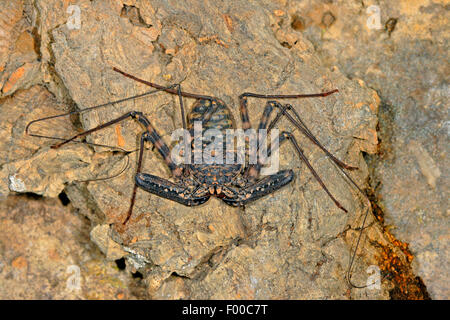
(292, 244)
(46, 254)
(406, 62)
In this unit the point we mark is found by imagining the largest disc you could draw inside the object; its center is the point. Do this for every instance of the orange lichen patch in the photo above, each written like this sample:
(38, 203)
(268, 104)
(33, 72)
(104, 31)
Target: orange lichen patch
(372, 136)
(376, 97)
(406, 285)
(53, 254)
(120, 296)
(214, 38)
(19, 263)
(120, 139)
(403, 246)
(395, 261)
(134, 240)
(359, 105)
(278, 13)
(13, 78)
(228, 22)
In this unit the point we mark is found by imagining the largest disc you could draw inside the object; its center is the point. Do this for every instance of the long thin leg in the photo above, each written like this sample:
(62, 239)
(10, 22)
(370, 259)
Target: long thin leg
(288, 136)
(252, 170)
(138, 170)
(301, 126)
(302, 156)
(153, 137)
(150, 135)
(178, 92)
(353, 255)
(244, 109)
(28, 127)
(246, 122)
(169, 90)
(304, 129)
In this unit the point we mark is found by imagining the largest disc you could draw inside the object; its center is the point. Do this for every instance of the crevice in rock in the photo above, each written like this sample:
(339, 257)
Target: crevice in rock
(64, 198)
(398, 271)
(174, 274)
(32, 196)
(406, 285)
(121, 265)
(137, 275)
(134, 16)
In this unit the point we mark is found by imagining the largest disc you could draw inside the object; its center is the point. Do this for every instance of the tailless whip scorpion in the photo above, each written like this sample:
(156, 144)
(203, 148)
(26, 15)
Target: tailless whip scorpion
(235, 184)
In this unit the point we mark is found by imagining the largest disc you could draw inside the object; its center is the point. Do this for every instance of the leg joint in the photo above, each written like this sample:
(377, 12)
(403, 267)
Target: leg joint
(136, 114)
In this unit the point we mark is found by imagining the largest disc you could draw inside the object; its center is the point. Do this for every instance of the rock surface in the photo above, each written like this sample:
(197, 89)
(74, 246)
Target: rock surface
(292, 244)
(405, 59)
(46, 254)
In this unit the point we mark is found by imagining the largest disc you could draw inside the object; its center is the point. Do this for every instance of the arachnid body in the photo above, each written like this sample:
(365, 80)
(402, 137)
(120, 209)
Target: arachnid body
(236, 184)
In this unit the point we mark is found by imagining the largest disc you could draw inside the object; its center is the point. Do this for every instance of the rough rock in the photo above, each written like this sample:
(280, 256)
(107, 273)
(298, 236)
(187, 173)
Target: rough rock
(405, 59)
(46, 254)
(292, 244)
(19, 61)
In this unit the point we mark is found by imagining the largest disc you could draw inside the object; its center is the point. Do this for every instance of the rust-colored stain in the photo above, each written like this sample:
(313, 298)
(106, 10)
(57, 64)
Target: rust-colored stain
(134, 240)
(13, 78)
(120, 139)
(228, 22)
(214, 38)
(278, 12)
(406, 285)
(19, 263)
(398, 270)
(120, 296)
(53, 254)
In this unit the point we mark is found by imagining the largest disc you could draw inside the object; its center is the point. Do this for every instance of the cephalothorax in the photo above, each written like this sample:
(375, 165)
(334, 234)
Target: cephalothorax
(194, 183)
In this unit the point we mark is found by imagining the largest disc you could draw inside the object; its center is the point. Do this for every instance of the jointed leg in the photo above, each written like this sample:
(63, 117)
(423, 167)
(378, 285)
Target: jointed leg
(138, 170)
(257, 168)
(150, 135)
(302, 127)
(299, 124)
(28, 127)
(169, 90)
(260, 188)
(302, 156)
(169, 190)
(254, 169)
